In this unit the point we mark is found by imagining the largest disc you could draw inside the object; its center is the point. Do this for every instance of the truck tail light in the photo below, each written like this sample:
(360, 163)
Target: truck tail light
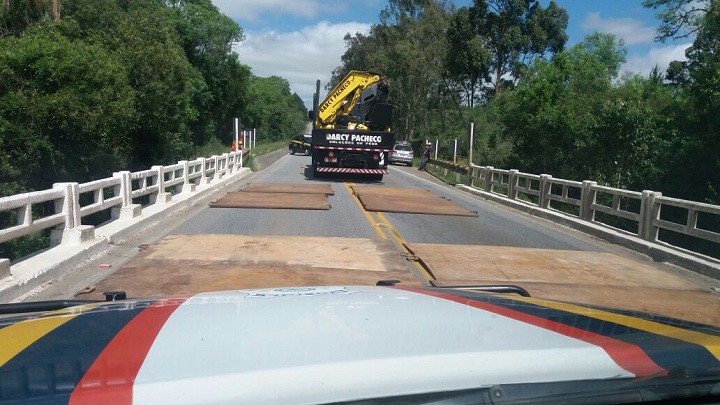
(331, 154)
(376, 157)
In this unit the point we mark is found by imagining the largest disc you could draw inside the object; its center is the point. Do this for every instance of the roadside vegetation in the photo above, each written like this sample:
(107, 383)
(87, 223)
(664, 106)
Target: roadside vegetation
(543, 107)
(89, 87)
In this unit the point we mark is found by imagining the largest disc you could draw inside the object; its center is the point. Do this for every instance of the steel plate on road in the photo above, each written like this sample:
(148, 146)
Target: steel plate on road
(408, 201)
(183, 264)
(395, 192)
(298, 201)
(595, 278)
(289, 188)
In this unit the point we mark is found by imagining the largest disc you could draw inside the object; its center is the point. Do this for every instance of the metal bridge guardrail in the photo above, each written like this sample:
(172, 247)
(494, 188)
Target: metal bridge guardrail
(69, 201)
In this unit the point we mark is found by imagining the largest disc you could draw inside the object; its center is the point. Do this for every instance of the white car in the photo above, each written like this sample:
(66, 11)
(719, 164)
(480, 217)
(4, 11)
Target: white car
(330, 344)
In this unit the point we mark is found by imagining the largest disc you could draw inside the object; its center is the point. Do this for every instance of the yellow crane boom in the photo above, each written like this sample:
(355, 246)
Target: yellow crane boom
(341, 99)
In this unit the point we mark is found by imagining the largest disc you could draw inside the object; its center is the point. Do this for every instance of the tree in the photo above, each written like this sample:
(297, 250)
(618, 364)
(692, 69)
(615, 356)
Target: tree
(467, 59)
(680, 18)
(16, 15)
(65, 109)
(517, 32)
(208, 38)
(554, 112)
(273, 109)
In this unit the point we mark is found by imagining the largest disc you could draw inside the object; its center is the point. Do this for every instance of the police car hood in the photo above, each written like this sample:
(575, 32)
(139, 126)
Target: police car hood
(328, 344)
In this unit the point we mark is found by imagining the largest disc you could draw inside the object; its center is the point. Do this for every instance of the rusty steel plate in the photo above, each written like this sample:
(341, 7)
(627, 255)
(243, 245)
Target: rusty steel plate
(184, 264)
(298, 201)
(386, 191)
(410, 203)
(289, 188)
(594, 278)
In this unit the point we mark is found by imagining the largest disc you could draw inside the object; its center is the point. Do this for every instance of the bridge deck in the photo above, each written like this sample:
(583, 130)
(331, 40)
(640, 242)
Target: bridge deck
(181, 264)
(595, 278)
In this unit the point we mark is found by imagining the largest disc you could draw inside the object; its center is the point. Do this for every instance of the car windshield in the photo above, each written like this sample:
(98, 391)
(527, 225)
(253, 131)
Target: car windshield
(404, 148)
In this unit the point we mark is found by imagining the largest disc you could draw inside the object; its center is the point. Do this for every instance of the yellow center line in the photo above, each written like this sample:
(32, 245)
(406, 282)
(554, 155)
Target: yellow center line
(375, 225)
(401, 242)
(378, 221)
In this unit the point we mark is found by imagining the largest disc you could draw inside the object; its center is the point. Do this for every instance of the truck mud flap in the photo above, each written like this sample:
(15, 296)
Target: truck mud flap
(409, 201)
(350, 170)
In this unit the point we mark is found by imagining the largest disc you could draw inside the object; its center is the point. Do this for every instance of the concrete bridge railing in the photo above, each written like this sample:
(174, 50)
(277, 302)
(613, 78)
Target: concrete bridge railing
(132, 198)
(626, 217)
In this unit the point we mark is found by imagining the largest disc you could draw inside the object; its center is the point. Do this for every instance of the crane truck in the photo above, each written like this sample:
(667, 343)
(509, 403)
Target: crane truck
(351, 131)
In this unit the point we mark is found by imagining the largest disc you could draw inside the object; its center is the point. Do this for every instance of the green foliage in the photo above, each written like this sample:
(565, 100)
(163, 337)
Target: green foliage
(516, 32)
(552, 115)
(65, 106)
(120, 85)
(680, 18)
(698, 80)
(273, 109)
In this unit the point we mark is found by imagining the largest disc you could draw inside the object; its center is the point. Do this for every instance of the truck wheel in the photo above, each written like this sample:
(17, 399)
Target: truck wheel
(292, 151)
(376, 177)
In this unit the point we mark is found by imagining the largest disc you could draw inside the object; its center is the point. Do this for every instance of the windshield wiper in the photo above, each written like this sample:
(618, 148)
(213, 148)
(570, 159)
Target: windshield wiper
(613, 391)
(54, 305)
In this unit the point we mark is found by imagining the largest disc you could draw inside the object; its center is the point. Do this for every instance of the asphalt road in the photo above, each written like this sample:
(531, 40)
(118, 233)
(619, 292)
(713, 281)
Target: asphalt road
(495, 224)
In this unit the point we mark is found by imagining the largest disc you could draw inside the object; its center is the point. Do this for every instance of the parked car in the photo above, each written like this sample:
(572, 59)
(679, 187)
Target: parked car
(300, 144)
(402, 153)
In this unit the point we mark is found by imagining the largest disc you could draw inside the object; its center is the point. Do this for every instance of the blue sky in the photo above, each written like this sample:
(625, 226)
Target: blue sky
(302, 40)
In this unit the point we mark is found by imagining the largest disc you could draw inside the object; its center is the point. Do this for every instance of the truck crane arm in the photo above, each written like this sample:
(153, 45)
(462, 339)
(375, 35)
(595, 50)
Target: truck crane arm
(336, 108)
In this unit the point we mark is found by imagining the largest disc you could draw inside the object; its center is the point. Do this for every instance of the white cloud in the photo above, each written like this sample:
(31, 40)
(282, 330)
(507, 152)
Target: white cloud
(249, 10)
(630, 30)
(302, 57)
(660, 56)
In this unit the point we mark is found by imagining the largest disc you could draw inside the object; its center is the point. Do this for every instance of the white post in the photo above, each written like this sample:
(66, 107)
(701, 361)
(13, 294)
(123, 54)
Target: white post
(455, 152)
(236, 129)
(254, 137)
(470, 154)
(437, 144)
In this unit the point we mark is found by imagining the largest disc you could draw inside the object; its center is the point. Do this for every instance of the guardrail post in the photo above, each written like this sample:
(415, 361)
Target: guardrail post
(220, 166)
(649, 212)
(218, 173)
(161, 197)
(204, 179)
(72, 232)
(188, 186)
(128, 209)
(545, 184)
(488, 178)
(4, 268)
(228, 169)
(588, 197)
(512, 184)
